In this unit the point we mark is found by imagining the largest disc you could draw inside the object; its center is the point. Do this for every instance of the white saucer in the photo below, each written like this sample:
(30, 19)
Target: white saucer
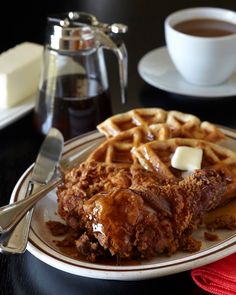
(157, 69)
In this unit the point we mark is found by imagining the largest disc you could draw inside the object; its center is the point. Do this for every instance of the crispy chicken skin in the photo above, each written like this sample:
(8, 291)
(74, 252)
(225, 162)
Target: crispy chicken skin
(131, 213)
(85, 181)
(139, 222)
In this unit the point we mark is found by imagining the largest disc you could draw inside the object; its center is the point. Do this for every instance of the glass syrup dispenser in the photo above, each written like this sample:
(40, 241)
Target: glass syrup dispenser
(74, 92)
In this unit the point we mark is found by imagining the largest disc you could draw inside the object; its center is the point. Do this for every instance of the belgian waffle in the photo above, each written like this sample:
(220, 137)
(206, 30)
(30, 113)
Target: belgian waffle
(117, 150)
(156, 155)
(176, 124)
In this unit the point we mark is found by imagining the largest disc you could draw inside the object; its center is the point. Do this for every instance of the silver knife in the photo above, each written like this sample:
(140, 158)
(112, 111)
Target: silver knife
(43, 172)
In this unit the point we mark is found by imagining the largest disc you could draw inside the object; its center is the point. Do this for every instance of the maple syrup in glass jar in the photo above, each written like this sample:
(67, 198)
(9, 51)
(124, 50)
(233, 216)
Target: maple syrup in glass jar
(74, 93)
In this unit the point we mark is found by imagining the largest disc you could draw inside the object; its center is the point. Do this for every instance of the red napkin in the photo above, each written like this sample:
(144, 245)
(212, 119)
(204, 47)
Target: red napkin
(218, 277)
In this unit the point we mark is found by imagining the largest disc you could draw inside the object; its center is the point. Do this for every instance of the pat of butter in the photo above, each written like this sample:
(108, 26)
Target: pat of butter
(187, 158)
(19, 73)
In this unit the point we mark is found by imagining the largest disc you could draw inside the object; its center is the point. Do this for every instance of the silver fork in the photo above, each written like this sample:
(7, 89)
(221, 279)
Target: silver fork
(11, 215)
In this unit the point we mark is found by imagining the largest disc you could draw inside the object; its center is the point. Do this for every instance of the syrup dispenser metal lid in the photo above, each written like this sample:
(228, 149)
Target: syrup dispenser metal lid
(74, 31)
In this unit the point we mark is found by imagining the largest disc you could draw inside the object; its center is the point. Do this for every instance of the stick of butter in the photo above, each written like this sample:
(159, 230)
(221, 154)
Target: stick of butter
(187, 158)
(19, 73)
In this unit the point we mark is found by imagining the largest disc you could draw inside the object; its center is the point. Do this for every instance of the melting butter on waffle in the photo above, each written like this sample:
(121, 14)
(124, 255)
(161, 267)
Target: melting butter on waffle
(156, 156)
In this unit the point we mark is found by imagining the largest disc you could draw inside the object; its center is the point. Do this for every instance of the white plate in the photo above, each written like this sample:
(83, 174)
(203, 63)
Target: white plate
(41, 241)
(157, 69)
(10, 115)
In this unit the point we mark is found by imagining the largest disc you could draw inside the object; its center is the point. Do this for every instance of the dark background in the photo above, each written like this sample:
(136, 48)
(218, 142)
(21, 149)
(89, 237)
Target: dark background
(26, 21)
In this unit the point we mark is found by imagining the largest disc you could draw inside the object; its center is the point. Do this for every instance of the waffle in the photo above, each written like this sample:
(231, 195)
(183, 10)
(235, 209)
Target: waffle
(156, 156)
(176, 124)
(117, 150)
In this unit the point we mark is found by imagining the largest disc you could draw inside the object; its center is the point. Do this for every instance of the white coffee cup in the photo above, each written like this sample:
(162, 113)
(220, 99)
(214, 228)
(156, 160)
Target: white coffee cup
(201, 60)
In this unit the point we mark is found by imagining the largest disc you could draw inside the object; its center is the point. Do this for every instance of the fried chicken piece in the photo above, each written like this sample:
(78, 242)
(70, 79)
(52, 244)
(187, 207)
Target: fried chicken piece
(133, 212)
(191, 197)
(125, 225)
(83, 182)
(149, 179)
(147, 221)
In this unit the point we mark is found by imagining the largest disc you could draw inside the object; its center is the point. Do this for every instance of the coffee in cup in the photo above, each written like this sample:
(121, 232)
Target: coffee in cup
(202, 44)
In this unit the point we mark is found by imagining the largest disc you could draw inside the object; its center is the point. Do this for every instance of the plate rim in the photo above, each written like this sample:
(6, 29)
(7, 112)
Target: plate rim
(86, 269)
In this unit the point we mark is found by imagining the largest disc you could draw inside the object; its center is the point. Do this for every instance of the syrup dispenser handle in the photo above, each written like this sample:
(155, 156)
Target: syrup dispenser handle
(112, 42)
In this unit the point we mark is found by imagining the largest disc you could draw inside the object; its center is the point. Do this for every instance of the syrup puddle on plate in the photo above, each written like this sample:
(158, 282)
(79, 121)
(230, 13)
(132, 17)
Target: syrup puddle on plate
(228, 209)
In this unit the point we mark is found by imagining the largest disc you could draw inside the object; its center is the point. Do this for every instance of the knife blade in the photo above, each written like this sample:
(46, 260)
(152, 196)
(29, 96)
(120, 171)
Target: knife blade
(43, 171)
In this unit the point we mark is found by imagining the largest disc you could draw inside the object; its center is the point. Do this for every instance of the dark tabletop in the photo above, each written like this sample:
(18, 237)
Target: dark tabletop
(19, 142)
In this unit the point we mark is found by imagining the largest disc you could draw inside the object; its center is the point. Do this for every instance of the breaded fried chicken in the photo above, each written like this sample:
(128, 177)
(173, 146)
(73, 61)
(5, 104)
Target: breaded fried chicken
(143, 222)
(131, 212)
(84, 182)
